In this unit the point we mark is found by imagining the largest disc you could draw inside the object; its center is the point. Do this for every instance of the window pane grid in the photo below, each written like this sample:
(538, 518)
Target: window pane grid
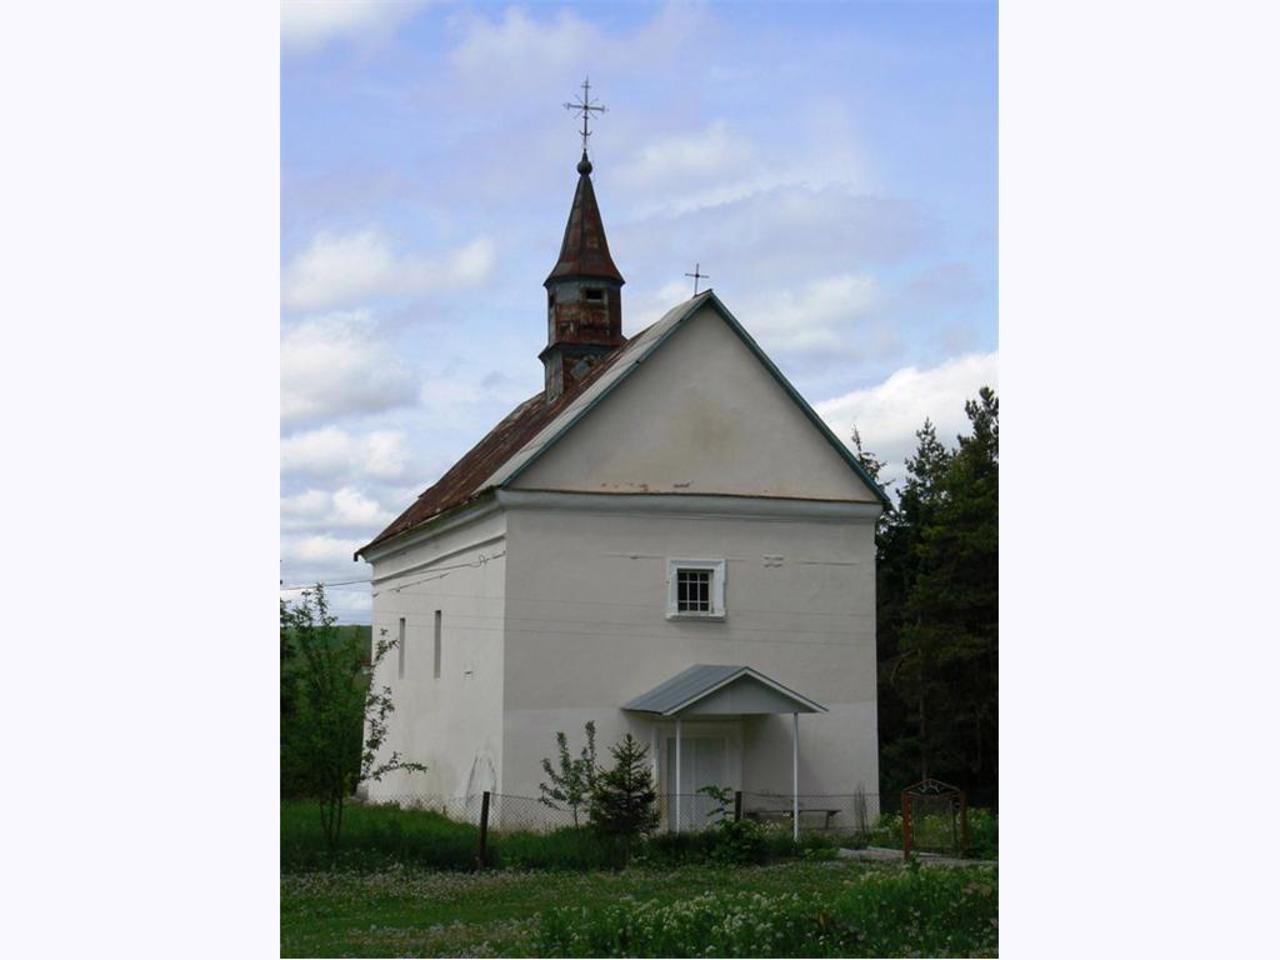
(693, 591)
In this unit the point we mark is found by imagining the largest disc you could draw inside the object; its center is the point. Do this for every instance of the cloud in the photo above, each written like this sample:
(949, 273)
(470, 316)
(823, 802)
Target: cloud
(793, 230)
(334, 452)
(335, 364)
(888, 415)
(324, 558)
(516, 49)
(319, 549)
(816, 318)
(308, 25)
(713, 152)
(337, 270)
(518, 39)
(453, 395)
(345, 507)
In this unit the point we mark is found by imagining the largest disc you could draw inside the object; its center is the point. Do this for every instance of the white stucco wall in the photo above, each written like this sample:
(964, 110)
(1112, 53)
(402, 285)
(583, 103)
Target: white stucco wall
(587, 631)
(454, 723)
(701, 415)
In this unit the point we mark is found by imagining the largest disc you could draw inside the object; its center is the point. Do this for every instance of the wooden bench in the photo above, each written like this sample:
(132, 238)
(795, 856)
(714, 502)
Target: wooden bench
(784, 816)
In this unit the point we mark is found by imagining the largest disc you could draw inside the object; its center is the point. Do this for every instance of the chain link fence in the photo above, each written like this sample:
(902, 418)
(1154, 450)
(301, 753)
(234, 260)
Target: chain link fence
(852, 813)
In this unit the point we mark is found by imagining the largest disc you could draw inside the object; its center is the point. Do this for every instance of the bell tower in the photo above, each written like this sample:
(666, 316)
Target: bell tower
(584, 288)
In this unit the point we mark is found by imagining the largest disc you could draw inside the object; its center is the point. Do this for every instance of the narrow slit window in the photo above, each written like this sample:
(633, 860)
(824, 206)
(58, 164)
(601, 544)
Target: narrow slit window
(400, 637)
(436, 652)
(595, 294)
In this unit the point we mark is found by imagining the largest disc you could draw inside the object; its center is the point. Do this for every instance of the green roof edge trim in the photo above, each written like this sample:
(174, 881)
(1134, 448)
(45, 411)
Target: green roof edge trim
(809, 412)
(709, 296)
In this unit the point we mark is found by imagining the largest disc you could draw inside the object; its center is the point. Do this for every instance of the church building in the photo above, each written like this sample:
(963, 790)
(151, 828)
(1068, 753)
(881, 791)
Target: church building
(665, 540)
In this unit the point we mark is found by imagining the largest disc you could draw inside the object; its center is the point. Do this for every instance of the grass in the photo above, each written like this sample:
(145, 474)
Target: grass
(800, 908)
(404, 883)
(376, 837)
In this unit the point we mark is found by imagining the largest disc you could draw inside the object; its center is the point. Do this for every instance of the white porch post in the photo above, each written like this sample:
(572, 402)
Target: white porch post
(678, 737)
(653, 753)
(795, 776)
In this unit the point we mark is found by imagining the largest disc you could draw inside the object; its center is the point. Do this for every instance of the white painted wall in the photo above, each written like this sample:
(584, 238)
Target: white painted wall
(701, 415)
(454, 723)
(587, 631)
(571, 623)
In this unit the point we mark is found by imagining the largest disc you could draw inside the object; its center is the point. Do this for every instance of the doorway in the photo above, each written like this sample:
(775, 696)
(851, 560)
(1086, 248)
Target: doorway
(703, 762)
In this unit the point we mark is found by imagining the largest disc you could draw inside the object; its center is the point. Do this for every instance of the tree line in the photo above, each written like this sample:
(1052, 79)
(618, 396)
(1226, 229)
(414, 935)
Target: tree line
(937, 617)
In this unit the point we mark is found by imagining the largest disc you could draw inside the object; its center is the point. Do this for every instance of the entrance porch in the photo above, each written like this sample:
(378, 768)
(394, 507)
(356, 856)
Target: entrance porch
(700, 722)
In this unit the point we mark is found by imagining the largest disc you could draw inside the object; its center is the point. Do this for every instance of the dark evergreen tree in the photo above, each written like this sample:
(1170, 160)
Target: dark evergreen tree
(937, 566)
(623, 800)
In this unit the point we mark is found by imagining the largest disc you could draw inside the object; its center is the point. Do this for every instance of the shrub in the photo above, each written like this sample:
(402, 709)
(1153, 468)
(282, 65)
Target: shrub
(574, 782)
(743, 841)
(983, 834)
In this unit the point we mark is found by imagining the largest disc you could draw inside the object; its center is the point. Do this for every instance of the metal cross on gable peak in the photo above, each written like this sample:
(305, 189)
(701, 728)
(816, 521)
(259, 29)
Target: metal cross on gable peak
(586, 105)
(697, 276)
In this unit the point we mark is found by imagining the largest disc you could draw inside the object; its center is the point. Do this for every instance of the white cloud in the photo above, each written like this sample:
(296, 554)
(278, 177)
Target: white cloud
(324, 558)
(334, 452)
(344, 507)
(337, 270)
(517, 49)
(336, 364)
(888, 415)
(307, 25)
(319, 549)
(518, 39)
(713, 152)
(310, 505)
(816, 318)
(782, 231)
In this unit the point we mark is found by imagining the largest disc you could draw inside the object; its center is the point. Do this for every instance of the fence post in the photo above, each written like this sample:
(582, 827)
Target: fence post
(906, 826)
(737, 805)
(484, 830)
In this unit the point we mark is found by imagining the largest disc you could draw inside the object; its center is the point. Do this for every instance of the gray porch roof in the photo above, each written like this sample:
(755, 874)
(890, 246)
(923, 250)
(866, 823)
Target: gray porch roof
(719, 689)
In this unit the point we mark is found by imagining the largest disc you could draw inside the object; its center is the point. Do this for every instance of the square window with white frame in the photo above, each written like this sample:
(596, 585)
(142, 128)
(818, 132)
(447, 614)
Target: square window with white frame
(695, 589)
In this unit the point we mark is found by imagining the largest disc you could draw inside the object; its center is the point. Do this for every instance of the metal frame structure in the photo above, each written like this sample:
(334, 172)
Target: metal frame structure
(932, 789)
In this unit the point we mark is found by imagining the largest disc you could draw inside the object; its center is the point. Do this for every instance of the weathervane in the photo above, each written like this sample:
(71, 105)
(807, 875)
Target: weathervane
(585, 104)
(697, 276)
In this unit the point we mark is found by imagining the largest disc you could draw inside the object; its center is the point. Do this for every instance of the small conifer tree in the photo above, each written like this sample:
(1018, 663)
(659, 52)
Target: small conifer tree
(623, 800)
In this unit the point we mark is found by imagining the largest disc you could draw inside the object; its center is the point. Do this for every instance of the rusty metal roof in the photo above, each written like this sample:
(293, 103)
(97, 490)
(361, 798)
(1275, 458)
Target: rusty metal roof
(585, 251)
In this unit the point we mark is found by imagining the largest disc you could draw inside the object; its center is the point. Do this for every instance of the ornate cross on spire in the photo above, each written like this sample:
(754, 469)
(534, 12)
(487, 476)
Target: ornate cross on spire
(697, 276)
(586, 105)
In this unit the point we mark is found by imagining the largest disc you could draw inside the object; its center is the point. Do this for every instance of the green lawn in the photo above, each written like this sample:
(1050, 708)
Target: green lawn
(789, 909)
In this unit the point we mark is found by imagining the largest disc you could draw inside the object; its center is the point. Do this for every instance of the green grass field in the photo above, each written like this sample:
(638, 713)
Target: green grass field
(404, 883)
(793, 909)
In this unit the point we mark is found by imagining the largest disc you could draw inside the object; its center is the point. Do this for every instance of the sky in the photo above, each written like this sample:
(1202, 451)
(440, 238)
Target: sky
(832, 167)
